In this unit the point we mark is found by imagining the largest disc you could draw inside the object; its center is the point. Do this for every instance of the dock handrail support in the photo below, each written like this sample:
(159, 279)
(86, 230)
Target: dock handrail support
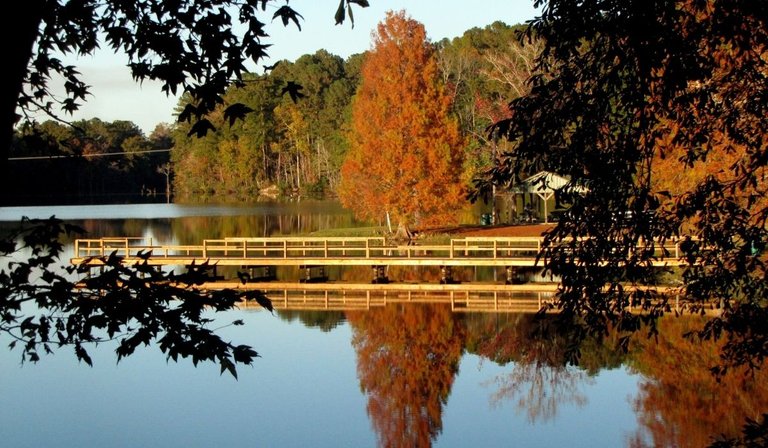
(102, 247)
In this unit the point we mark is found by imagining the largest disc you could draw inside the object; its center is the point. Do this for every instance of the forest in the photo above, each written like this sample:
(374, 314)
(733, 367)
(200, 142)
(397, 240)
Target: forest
(293, 140)
(89, 162)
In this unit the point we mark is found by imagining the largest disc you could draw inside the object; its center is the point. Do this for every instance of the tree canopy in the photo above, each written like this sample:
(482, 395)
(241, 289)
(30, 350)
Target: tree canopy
(630, 84)
(89, 161)
(405, 156)
(294, 145)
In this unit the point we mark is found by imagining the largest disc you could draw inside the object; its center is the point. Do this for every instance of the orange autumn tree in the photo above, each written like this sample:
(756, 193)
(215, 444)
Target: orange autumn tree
(405, 157)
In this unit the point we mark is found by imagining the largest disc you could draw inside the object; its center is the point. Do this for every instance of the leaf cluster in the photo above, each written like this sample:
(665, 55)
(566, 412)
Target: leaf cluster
(196, 47)
(622, 85)
(43, 309)
(406, 151)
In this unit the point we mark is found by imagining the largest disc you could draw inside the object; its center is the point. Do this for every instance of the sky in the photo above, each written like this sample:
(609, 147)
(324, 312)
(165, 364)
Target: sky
(116, 96)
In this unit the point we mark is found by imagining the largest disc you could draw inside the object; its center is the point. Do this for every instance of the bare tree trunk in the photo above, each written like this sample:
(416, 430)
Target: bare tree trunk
(403, 232)
(298, 170)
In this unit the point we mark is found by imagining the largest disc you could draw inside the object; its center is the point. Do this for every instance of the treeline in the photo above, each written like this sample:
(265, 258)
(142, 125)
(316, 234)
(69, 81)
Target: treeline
(286, 145)
(292, 142)
(295, 139)
(90, 161)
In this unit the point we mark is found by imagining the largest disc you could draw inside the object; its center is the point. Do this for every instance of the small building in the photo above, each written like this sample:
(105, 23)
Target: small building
(538, 194)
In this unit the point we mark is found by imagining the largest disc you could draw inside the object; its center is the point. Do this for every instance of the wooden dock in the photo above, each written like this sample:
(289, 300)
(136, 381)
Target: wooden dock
(308, 251)
(314, 254)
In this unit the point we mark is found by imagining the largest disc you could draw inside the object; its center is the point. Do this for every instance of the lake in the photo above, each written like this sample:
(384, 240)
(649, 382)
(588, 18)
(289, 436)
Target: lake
(400, 375)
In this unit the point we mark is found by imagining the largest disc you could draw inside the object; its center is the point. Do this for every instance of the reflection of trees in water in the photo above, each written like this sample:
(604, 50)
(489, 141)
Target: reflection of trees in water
(408, 357)
(160, 229)
(422, 274)
(543, 376)
(276, 222)
(324, 320)
(538, 389)
(681, 403)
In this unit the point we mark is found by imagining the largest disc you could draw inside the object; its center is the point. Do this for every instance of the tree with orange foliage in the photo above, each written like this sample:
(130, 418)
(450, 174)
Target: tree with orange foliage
(405, 157)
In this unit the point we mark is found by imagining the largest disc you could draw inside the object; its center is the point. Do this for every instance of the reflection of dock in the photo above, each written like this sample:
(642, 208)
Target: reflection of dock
(346, 296)
(342, 251)
(466, 297)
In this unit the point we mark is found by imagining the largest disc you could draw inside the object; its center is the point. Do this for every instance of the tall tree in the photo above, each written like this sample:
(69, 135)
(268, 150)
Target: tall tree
(405, 156)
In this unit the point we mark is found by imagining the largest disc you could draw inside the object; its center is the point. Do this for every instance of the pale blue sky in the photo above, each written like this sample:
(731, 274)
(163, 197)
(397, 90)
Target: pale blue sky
(117, 97)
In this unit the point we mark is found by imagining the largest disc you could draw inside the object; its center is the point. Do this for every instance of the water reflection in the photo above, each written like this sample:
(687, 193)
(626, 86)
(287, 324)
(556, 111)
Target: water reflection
(323, 320)
(680, 403)
(407, 359)
(179, 224)
(540, 377)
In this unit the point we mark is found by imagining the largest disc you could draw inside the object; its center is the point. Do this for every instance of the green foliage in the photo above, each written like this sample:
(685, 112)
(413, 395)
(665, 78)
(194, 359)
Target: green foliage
(294, 141)
(92, 161)
(43, 309)
(196, 48)
(192, 46)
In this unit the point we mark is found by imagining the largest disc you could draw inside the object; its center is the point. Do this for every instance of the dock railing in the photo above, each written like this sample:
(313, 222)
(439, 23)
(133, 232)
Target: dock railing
(101, 247)
(286, 247)
(329, 248)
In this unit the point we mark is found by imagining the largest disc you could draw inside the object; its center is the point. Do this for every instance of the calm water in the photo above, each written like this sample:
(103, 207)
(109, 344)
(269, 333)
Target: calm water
(404, 375)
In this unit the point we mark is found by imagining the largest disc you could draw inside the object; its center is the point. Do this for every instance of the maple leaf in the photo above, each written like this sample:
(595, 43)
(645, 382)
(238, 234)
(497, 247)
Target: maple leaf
(294, 90)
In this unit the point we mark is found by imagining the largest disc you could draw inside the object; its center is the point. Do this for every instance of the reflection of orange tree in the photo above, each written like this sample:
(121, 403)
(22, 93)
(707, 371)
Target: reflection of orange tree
(681, 403)
(408, 356)
(542, 377)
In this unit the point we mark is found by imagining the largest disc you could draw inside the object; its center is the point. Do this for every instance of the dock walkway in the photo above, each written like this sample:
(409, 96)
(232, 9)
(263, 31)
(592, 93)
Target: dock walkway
(338, 251)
